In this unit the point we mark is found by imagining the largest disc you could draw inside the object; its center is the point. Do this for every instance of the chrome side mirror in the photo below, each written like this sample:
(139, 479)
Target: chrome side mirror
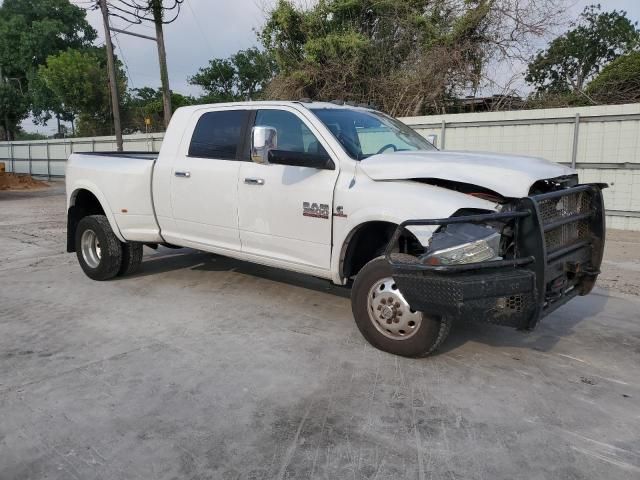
(432, 139)
(263, 140)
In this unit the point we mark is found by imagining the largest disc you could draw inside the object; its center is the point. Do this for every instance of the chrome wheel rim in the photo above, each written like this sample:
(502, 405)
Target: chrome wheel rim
(90, 248)
(389, 311)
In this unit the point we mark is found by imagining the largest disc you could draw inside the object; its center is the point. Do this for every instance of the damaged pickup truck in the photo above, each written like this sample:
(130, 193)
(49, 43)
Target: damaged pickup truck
(425, 238)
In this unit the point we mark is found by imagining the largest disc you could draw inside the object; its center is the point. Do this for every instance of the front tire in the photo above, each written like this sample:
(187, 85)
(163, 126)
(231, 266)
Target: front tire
(98, 249)
(387, 321)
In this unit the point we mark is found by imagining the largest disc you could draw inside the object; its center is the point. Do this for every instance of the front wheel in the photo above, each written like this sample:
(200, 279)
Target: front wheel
(387, 321)
(98, 249)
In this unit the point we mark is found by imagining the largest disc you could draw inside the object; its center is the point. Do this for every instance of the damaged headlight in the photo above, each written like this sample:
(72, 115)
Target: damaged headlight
(461, 243)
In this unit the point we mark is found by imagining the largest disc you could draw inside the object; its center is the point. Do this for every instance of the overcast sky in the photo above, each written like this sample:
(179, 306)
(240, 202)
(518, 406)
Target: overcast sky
(218, 28)
(204, 29)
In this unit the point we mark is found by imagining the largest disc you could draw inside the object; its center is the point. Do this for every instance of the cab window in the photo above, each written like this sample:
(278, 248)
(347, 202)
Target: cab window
(217, 134)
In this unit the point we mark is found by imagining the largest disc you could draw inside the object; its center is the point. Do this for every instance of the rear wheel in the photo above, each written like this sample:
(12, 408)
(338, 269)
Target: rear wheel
(98, 249)
(131, 258)
(387, 321)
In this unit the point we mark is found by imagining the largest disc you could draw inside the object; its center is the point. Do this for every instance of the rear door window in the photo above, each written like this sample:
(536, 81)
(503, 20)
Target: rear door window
(218, 134)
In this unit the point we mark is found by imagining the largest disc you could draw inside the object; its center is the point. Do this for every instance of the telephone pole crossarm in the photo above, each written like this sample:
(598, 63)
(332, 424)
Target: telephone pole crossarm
(134, 34)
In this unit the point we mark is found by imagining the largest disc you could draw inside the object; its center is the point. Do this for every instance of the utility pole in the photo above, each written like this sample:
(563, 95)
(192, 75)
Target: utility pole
(138, 11)
(156, 8)
(113, 82)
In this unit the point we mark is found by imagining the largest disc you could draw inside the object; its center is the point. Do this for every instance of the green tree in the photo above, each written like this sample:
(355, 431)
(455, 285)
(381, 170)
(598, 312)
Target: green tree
(573, 59)
(239, 77)
(147, 103)
(217, 80)
(253, 70)
(76, 78)
(618, 82)
(77, 82)
(31, 31)
(14, 107)
(406, 56)
(45, 104)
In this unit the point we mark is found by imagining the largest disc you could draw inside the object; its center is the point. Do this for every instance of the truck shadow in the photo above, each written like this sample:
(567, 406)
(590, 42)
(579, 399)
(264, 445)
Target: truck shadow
(166, 260)
(561, 323)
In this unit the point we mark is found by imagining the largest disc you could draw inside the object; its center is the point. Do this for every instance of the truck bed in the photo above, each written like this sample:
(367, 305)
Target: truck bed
(122, 183)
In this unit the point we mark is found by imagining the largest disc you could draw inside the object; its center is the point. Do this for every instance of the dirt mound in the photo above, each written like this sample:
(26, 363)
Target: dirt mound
(14, 181)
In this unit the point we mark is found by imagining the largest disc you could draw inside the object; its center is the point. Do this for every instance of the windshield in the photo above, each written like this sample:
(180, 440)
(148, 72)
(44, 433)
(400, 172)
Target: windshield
(365, 133)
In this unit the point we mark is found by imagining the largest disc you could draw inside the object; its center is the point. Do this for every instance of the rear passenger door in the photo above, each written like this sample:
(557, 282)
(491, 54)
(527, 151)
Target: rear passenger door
(204, 192)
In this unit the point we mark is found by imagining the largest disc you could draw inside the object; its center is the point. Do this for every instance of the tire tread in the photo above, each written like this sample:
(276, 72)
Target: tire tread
(131, 258)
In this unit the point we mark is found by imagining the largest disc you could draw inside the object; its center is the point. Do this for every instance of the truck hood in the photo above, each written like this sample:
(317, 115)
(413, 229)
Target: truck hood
(507, 175)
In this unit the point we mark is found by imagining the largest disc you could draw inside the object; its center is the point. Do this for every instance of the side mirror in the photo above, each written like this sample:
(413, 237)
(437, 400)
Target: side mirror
(263, 140)
(432, 139)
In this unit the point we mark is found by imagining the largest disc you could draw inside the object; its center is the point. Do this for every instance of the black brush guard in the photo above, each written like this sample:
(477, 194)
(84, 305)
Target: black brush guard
(558, 246)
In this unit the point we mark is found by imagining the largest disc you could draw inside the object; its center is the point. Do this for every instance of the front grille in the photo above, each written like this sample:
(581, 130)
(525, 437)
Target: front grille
(555, 209)
(566, 235)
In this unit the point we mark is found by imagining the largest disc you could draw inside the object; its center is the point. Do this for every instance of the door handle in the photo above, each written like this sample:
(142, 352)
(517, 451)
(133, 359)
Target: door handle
(254, 181)
(183, 174)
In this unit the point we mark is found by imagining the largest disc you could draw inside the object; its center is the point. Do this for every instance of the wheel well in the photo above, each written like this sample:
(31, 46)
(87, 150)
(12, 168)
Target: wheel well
(83, 204)
(368, 241)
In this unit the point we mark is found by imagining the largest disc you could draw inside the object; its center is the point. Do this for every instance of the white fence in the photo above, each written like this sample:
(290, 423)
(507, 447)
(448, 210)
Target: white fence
(603, 143)
(47, 157)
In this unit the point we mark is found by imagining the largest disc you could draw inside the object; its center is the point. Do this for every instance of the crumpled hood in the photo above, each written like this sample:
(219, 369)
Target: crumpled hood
(508, 175)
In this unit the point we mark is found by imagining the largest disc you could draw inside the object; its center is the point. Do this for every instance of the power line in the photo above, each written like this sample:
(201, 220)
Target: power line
(138, 11)
(195, 19)
(124, 60)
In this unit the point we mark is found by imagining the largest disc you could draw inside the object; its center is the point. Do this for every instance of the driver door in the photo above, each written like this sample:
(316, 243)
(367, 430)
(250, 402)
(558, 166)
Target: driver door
(285, 212)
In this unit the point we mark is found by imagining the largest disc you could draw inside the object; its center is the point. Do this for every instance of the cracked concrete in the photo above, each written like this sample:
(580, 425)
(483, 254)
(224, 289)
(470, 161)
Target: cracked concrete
(206, 367)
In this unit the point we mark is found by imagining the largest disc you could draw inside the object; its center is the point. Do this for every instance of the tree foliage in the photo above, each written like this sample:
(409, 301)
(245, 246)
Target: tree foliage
(239, 77)
(76, 82)
(573, 59)
(618, 82)
(406, 56)
(13, 109)
(31, 31)
(45, 104)
(77, 79)
(146, 103)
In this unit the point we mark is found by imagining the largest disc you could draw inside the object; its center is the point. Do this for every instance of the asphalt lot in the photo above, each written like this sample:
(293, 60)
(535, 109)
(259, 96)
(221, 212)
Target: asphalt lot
(205, 367)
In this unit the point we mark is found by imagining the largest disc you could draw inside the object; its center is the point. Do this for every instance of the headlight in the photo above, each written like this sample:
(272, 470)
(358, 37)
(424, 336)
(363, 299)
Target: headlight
(461, 243)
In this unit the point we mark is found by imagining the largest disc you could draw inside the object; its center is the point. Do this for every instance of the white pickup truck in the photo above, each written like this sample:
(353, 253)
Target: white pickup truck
(425, 237)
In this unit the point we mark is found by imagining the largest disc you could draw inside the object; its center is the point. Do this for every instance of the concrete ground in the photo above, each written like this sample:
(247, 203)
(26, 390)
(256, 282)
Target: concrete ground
(205, 367)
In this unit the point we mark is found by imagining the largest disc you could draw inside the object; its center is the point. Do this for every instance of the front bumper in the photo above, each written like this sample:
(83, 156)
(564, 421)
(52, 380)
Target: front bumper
(559, 241)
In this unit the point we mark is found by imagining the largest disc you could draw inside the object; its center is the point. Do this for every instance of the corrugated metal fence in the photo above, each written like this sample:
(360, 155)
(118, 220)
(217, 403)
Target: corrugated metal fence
(602, 142)
(47, 158)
